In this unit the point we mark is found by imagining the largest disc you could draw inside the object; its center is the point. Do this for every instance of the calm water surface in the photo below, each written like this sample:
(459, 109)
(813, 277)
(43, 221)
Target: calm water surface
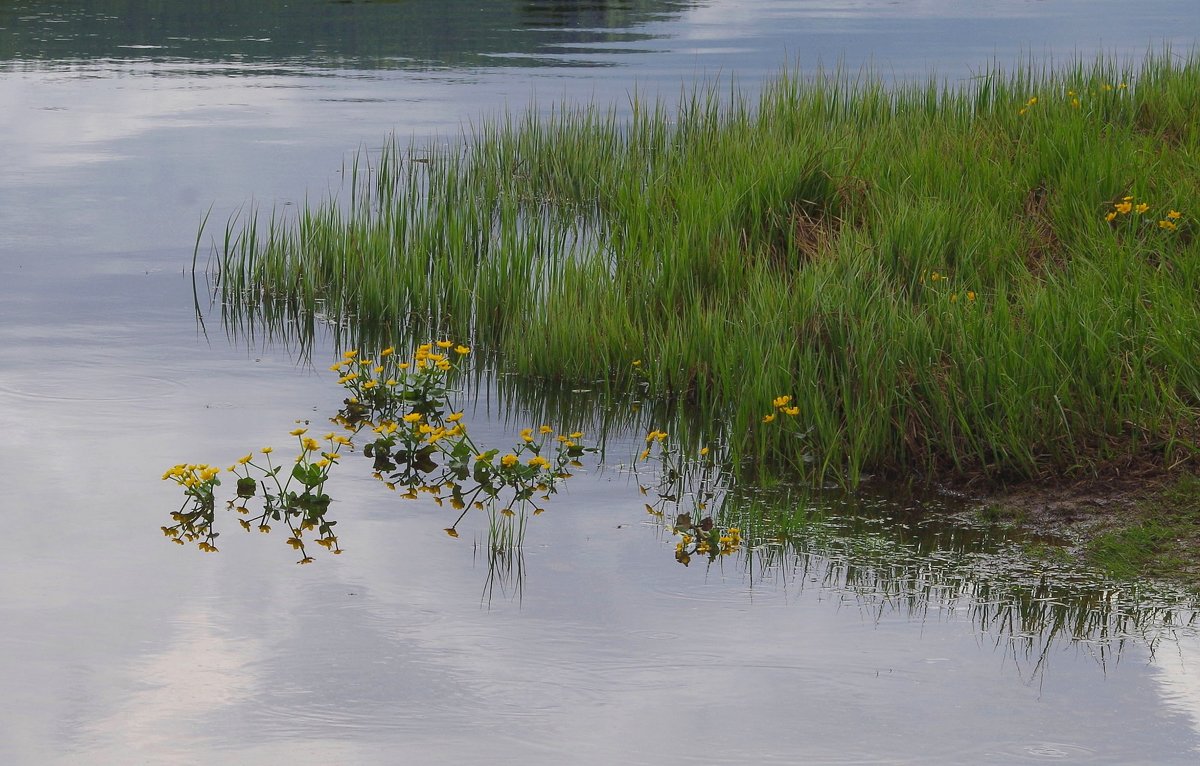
(875, 635)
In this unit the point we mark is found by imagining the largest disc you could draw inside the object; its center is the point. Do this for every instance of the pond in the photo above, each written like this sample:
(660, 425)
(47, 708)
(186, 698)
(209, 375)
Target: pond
(870, 628)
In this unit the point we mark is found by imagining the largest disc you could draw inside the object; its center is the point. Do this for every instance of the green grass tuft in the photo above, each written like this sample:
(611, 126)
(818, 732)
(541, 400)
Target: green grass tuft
(928, 270)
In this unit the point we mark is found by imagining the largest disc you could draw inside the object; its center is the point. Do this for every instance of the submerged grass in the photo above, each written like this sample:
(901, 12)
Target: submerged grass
(996, 280)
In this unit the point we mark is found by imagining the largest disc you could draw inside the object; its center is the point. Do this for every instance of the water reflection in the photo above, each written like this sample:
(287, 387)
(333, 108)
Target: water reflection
(891, 553)
(375, 34)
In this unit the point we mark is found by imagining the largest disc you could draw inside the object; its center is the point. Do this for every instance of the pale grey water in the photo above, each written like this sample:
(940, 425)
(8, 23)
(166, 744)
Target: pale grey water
(120, 129)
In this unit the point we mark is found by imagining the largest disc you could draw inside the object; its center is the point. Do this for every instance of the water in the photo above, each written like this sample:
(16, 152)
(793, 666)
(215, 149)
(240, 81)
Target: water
(870, 635)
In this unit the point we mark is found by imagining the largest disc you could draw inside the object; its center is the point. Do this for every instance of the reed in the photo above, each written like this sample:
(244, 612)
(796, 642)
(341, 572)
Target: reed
(943, 277)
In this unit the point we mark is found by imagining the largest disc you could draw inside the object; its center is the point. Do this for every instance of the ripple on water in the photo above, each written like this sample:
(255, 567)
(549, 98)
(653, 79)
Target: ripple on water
(87, 383)
(1047, 751)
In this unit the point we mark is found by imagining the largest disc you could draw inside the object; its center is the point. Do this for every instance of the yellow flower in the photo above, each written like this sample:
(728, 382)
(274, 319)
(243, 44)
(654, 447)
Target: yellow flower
(645, 454)
(246, 459)
(350, 354)
(1142, 207)
(527, 434)
(577, 435)
(637, 362)
(1075, 103)
(1032, 101)
(336, 367)
(403, 365)
(1124, 207)
(1174, 215)
(1168, 225)
(310, 444)
(703, 451)
(537, 461)
(462, 350)
(970, 295)
(509, 460)
(298, 431)
(546, 430)
(445, 343)
(370, 384)
(412, 417)
(1111, 216)
(768, 418)
(454, 417)
(954, 297)
(793, 411)
(780, 401)
(388, 351)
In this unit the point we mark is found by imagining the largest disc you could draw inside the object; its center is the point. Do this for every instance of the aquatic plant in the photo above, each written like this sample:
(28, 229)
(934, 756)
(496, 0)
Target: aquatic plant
(418, 443)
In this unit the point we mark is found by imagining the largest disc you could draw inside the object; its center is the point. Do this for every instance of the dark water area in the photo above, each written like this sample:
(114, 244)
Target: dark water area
(872, 628)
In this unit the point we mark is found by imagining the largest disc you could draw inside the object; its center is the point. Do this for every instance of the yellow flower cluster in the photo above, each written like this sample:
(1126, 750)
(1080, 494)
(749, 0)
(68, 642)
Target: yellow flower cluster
(782, 404)
(193, 475)
(935, 277)
(1128, 206)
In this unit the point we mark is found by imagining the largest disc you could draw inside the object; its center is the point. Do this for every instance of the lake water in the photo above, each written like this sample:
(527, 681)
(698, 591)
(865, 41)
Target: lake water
(877, 633)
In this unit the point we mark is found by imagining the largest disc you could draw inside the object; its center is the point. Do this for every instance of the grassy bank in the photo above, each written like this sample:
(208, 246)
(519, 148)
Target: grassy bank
(995, 280)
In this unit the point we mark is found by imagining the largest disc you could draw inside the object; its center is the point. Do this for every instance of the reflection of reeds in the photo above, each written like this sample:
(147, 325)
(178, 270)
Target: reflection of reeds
(936, 571)
(505, 565)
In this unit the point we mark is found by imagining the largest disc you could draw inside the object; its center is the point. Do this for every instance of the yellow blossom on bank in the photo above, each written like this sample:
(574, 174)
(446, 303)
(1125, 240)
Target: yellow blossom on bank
(1142, 207)
(445, 343)
(537, 461)
(388, 351)
(768, 418)
(509, 460)
(298, 431)
(350, 354)
(1174, 215)
(412, 417)
(310, 444)
(462, 350)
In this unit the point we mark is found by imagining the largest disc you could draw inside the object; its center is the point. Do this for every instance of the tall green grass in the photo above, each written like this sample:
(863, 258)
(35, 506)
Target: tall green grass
(788, 245)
